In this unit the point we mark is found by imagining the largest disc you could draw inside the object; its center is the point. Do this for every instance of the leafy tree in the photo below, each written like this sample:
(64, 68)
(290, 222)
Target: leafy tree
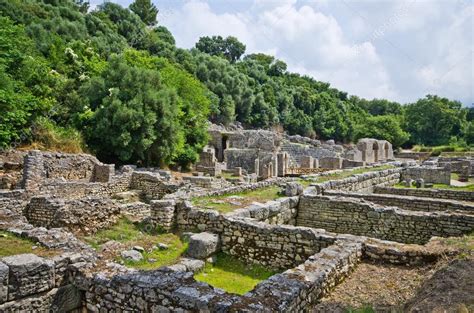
(230, 48)
(135, 117)
(386, 127)
(146, 10)
(433, 120)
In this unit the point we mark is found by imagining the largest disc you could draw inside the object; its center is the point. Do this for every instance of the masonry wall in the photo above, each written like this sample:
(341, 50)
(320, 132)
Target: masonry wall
(162, 291)
(365, 182)
(355, 216)
(450, 194)
(86, 215)
(29, 283)
(435, 175)
(408, 202)
(153, 185)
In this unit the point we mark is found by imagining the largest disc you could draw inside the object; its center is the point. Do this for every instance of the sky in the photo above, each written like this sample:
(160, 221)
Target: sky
(397, 50)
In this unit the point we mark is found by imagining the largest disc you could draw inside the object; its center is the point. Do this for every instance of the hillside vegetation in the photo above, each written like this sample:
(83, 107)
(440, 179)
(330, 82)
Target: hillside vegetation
(113, 82)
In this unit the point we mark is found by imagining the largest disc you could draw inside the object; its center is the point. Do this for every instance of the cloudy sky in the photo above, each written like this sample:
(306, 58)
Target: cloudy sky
(398, 50)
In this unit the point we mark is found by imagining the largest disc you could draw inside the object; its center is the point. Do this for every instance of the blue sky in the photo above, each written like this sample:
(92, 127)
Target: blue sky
(398, 50)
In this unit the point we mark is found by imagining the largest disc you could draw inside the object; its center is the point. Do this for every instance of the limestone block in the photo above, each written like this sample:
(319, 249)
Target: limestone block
(132, 255)
(3, 282)
(28, 274)
(293, 189)
(203, 245)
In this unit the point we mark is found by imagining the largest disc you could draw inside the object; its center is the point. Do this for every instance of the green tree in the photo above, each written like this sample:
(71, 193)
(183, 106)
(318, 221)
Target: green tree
(136, 118)
(146, 10)
(434, 120)
(385, 127)
(230, 48)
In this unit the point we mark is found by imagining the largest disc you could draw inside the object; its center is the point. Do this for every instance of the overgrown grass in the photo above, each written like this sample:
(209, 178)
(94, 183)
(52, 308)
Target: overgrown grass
(364, 309)
(437, 150)
(233, 275)
(464, 243)
(49, 136)
(229, 202)
(469, 187)
(344, 174)
(131, 234)
(11, 245)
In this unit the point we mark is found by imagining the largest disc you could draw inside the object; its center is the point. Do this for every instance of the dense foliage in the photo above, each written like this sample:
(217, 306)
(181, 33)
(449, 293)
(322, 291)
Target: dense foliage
(116, 78)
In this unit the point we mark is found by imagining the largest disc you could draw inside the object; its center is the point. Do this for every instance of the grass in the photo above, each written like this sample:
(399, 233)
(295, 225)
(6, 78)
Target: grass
(365, 309)
(230, 202)
(233, 275)
(437, 150)
(344, 174)
(131, 234)
(464, 243)
(11, 245)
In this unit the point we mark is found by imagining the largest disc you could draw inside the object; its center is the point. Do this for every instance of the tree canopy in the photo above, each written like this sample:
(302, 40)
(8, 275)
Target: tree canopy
(116, 78)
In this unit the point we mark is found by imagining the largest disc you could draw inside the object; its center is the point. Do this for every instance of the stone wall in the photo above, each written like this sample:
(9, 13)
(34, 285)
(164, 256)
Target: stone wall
(29, 283)
(86, 215)
(435, 175)
(355, 216)
(273, 246)
(450, 194)
(153, 185)
(408, 202)
(365, 182)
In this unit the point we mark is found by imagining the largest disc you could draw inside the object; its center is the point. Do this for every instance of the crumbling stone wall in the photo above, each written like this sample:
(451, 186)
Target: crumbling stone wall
(86, 215)
(355, 216)
(153, 185)
(449, 194)
(408, 202)
(29, 283)
(435, 175)
(365, 182)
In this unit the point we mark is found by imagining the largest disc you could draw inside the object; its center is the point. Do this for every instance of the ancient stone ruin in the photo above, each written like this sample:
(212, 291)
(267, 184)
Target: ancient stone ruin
(337, 207)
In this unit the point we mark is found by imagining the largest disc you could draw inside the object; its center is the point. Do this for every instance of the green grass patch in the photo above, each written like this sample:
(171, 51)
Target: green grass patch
(157, 258)
(233, 275)
(451, 150)
(11, 245)
(343, 174)
(135, 234)
(230, 202)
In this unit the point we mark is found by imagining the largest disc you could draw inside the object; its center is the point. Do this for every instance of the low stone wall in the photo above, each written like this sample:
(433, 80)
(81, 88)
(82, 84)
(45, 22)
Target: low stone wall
(451, 194)
(152, 184)
(277, 212)
(355, 216)
(86, 215)
(435, 175)
(278, 247)
(247, 187)
(408, 202)
(163, 290)
(29, 283)
(365, 182)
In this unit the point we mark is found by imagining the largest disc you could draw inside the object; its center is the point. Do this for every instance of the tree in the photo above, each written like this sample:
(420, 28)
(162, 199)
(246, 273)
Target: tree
(386, 127)
(146, 10)
(230, 48)
(136, 118)
(434, 120)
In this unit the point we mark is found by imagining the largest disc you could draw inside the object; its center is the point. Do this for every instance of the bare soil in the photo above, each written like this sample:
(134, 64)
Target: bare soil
(381, 287)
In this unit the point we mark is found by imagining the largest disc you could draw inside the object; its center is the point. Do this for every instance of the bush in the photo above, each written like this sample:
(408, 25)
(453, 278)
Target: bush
(48, 136)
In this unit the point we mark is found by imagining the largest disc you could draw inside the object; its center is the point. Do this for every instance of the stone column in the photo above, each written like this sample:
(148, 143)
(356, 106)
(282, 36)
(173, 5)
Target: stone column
(163, 213)
(33, 170)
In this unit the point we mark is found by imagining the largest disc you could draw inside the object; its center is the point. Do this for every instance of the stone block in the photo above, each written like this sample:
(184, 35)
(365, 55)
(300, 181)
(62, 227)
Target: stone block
(28, 274)
(203, 245)
(293, 189)
(3, 282)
